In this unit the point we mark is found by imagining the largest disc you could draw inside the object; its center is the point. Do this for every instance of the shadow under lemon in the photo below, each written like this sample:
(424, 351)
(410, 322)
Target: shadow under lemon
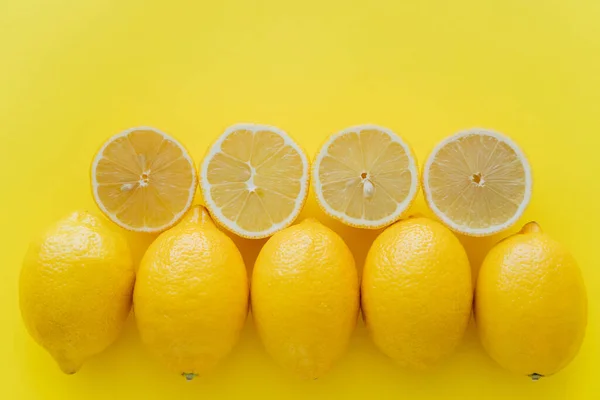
(138, 244)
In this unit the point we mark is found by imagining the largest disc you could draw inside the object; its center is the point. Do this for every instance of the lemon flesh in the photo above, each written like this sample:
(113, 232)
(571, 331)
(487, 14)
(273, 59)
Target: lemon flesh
(365, 176)
(478, 182)
(143, 180)
(254, 180)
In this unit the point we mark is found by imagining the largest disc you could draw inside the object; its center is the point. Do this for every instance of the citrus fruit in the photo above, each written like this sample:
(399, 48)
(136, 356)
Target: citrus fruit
(191, 295)
(254, 180)
(416, 292)
(365, 176)
(477, 182)
(531, 304)
(143, 179)
(75, 288)
(305, 297)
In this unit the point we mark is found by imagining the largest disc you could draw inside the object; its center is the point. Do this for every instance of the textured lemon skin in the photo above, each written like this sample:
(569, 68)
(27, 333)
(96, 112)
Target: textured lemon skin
(75, 291)
(417, 292)
(191, 295)
(305, 298)
(531, 304)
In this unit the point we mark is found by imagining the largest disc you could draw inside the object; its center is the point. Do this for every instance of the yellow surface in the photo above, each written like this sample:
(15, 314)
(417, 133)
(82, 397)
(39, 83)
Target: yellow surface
(74, 72)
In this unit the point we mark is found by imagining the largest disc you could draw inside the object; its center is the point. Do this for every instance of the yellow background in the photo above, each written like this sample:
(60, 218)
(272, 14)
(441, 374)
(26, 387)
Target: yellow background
(74, 72)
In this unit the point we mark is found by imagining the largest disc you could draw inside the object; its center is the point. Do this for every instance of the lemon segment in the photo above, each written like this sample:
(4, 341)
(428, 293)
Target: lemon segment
(365, 176)
(254, 180)
(478, 182)
(143, 180)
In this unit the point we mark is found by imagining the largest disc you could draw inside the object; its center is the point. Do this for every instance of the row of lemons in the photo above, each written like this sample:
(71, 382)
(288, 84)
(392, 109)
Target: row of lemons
(191, 293)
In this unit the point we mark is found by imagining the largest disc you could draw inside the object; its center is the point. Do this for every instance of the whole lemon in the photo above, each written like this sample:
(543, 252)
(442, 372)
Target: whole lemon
(191, 295)
(417, 292)
(75, 288)
(305, 297)
(531, 304)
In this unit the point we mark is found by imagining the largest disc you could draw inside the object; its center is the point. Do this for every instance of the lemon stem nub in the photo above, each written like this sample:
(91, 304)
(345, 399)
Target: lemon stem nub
(531, 227)
(68, 366)
(535, 377)
(189, 376)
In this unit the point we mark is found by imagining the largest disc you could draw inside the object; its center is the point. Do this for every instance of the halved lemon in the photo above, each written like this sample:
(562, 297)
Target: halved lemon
(143, 180)
(478, 182)
(254, 180)
(365, 176)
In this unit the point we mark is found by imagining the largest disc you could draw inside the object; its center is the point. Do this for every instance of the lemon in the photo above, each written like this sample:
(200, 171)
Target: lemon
(477, 182)
(305, 297)
(531, 304)
(416, 292)
(254, 180)
(191, 295)
(143, 180)
(75, 288)
(365, 176)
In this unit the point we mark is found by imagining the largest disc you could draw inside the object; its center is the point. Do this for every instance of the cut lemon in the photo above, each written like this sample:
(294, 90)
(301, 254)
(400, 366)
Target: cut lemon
(478, 182)
(143, 180)
(254, 180)
(365, 176)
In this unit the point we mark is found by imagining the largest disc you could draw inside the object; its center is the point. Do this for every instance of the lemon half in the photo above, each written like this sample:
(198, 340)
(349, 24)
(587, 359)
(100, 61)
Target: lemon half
(478, 182)
(365, 176)
(254, 180)
(143, 179)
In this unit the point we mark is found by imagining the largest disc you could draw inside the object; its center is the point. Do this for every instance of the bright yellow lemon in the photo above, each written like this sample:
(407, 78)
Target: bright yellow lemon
(75, 288)
(305, 297)
(191, 295)
(531, 304)
(417, 292)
